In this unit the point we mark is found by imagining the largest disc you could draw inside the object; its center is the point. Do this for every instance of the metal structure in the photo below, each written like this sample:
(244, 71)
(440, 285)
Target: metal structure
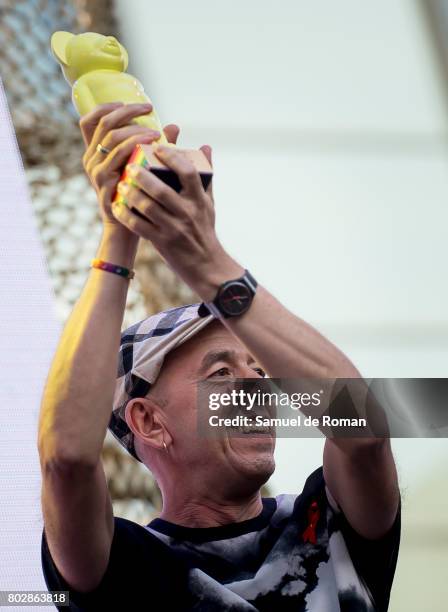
(64, 203)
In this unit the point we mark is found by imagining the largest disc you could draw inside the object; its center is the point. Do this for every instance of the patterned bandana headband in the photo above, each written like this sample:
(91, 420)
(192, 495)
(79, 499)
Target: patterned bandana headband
(143, 349)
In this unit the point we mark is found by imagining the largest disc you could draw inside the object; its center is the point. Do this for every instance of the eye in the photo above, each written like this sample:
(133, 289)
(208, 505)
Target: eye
(221, 372)
(261, 372)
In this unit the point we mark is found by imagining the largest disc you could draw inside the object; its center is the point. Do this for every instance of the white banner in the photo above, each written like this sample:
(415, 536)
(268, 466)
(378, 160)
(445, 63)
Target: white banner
(28, 334)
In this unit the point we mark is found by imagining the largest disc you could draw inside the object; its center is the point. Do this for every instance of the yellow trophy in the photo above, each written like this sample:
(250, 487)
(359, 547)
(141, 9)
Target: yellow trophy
(95, 66)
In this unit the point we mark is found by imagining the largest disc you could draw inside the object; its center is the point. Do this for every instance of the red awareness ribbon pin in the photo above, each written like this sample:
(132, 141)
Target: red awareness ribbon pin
(309, 535)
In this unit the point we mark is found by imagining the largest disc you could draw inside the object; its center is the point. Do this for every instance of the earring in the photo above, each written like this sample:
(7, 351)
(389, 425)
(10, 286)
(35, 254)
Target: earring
(165, 446)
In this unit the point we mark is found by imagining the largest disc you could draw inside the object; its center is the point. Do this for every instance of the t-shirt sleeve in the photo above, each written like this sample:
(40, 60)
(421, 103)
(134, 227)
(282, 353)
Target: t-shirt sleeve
(56, 582)
(374, 560)
(140, 568)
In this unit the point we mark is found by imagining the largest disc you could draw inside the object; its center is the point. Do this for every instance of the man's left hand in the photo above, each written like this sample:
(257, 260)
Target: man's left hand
(181, 225)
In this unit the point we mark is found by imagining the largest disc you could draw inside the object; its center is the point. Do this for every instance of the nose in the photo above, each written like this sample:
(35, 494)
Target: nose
(111, 46)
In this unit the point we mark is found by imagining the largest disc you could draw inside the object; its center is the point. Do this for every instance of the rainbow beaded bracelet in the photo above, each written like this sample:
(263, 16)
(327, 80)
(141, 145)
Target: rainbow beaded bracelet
(110, 267)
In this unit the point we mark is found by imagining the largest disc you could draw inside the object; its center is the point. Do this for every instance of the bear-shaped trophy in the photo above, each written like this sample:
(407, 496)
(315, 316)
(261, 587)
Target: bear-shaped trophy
(95, 67)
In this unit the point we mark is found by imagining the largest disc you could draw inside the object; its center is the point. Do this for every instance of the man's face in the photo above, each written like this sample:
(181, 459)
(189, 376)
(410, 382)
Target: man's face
(242, 463)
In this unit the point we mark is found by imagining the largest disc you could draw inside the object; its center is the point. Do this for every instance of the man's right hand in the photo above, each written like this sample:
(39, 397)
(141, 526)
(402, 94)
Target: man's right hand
(78, 395)
(110, 125)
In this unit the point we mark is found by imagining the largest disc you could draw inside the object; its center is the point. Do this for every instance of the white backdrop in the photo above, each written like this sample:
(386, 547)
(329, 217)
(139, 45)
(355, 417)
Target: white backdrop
(329, 130)
(28, 336)
(330, 135)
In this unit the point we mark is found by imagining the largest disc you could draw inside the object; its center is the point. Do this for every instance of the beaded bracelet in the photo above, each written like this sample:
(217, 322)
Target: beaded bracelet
(110, 267)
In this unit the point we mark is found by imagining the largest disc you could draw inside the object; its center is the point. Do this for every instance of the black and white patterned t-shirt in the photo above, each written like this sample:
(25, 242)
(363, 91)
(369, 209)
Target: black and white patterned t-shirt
(299, 555)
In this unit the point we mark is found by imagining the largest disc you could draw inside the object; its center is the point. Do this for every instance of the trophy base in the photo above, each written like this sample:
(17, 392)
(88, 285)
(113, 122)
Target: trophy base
(144, 156)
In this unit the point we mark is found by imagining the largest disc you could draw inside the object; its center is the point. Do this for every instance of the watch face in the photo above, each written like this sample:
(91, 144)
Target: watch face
(235, 298)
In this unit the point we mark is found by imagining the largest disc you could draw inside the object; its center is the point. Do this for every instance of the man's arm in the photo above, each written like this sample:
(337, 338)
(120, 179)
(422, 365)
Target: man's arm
(78, 396)
(359, 473)
(75, 412)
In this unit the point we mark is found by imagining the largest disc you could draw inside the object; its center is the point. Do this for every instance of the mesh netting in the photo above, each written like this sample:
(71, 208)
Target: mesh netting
(64, 203)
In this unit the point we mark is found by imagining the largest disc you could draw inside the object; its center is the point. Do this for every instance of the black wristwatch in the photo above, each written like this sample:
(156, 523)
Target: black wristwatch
(234, 297)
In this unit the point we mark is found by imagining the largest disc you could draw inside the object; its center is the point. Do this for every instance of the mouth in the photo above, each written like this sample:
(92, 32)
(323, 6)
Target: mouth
(251, 430)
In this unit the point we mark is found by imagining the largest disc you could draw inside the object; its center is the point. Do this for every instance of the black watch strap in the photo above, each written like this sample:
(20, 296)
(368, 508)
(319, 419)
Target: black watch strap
(225, 294)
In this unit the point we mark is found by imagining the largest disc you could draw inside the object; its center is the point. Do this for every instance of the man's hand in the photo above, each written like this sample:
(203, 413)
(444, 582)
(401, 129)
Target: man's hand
(180, 225)
(110, 125)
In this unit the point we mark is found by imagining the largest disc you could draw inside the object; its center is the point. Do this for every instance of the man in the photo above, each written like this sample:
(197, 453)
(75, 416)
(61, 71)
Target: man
(217, 544)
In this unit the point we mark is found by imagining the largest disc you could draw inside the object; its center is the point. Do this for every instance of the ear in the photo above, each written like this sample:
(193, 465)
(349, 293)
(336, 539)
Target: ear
(59, 42)
(143, 417)
(125, 57)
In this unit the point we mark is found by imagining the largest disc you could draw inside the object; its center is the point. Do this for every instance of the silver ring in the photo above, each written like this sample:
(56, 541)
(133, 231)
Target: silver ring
(101, 149)
(165, 446)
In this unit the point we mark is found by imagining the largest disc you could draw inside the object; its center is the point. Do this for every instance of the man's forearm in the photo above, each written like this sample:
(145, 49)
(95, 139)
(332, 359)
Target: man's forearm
(77, 399)
(285, 345)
